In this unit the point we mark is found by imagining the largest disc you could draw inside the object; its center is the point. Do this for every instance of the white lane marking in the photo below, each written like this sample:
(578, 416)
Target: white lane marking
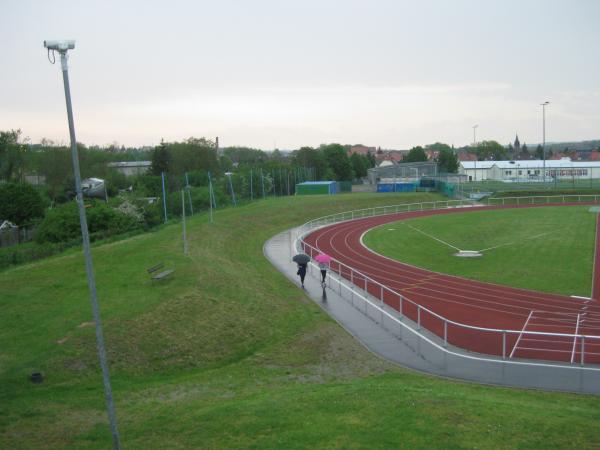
(520, 334)
(575, 340)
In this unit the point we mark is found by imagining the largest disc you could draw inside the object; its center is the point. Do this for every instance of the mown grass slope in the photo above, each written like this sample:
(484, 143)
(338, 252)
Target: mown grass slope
(229, 354)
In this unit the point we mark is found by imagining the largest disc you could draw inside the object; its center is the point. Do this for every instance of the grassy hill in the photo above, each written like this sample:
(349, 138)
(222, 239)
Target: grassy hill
(229, 354)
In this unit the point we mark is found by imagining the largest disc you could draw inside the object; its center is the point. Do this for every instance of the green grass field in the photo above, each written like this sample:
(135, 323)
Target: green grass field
(229, 354)
(546, 249)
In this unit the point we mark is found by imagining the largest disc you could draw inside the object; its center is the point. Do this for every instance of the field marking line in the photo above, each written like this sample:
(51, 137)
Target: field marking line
(575, 340)
(515, 242)
(432, 237)
(580, 297)
(520, 335)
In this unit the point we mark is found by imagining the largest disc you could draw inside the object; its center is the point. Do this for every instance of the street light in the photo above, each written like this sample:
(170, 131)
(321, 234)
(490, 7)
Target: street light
(62, 47)
(543, 105)
(474, 144)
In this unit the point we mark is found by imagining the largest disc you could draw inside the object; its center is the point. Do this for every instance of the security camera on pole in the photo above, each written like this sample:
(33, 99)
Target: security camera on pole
(62, 47)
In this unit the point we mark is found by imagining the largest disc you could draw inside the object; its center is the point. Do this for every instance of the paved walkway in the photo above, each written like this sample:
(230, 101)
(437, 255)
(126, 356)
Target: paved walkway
(394, 340)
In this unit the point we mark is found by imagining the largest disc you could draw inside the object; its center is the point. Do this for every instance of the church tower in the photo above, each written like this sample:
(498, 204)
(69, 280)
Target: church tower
(517, 144)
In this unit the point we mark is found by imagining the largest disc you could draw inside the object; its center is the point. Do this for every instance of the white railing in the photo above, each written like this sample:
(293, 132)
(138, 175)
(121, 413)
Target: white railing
(449, 331)
(543, 199)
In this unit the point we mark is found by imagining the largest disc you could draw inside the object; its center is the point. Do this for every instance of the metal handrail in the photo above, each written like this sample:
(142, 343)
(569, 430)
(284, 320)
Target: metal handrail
(342, 217)
(436, 345)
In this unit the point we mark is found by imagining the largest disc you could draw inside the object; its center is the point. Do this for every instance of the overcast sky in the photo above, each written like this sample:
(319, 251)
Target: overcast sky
(285, 74)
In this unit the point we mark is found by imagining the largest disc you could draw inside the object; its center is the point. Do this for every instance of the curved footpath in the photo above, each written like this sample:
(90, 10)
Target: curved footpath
(398, 344)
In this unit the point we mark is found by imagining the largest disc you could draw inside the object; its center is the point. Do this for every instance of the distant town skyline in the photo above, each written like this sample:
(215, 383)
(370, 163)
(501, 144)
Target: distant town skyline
(269, 74)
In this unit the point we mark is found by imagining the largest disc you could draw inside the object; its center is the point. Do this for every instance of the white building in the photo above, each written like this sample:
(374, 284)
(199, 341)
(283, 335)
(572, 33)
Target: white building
(131, 167)
(529, 170)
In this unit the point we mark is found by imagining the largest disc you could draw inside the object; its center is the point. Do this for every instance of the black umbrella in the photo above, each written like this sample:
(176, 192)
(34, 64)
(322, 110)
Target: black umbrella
(301, 258)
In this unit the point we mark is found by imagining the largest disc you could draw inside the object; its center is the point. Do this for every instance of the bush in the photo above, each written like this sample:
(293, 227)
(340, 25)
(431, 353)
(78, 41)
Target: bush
(61, 224)
(20, 203)
(148, 186)
(116, 180)
(200, 200)
(20, 254)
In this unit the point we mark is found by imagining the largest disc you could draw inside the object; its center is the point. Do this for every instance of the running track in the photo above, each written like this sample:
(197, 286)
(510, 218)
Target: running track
(471, 302)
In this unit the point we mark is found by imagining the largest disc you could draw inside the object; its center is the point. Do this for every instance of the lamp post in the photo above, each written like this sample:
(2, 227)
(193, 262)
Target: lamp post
(543, 105)
(62, 47)
(474, 144)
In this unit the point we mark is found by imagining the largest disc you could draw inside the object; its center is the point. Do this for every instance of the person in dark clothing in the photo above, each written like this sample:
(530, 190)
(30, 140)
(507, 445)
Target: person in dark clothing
(302, 272)
(323, 267)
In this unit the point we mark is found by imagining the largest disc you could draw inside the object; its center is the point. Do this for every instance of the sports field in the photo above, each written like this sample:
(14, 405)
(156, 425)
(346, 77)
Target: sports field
(545, 249)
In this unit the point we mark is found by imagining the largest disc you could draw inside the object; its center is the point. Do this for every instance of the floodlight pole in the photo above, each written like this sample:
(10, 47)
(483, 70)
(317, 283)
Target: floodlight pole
(543, 105)
(474, 144)
(88, 257)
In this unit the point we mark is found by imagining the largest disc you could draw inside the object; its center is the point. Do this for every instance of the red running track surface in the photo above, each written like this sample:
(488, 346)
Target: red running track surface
(470, 302)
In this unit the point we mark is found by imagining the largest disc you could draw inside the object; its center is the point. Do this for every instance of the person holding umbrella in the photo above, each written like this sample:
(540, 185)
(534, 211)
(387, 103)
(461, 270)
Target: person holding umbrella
(302, 260)
(323, 259)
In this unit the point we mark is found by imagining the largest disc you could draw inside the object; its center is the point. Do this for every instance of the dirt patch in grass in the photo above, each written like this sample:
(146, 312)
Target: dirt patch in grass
(51, 427)
(324, 353)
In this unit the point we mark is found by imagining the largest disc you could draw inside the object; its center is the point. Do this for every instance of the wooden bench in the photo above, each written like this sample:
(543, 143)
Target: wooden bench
(161, 275)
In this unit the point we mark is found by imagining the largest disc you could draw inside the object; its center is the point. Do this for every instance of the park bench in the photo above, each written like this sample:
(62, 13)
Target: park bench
(157, 273)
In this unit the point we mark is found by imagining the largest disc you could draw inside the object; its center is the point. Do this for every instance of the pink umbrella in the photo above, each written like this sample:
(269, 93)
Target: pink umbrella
(323, 258)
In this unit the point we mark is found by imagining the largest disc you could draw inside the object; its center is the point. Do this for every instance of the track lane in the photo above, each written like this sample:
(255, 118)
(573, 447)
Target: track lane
(465, 301)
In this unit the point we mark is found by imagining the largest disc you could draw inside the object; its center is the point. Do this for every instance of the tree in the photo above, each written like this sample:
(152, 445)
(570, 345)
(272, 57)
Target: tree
(161, 159)
(192, 154)
(245, 155)
(360, 164)
(338, 161)
(490, 150)
(539, 152)
(56, 166)
(447, 161)
(438, 147)
(371, 158)
(12, 156)
(20, 203)
(309, 157)
(276, 156)
(416, 154)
